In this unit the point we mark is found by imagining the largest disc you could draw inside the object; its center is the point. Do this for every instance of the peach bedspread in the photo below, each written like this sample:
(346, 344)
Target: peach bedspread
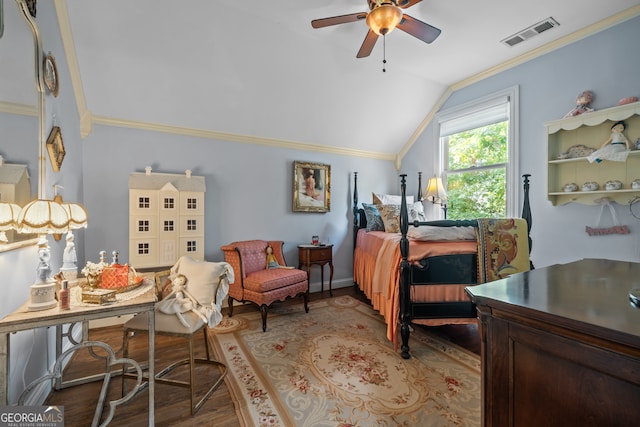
(376, 270)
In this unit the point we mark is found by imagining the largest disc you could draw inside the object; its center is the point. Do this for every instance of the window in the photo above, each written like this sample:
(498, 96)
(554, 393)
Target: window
(191, 246)
(143, 202)
(191, 225)
(168, 225)
(143, 249)
(192, 203)
(143, 225)
(478, 157)
(168, 202)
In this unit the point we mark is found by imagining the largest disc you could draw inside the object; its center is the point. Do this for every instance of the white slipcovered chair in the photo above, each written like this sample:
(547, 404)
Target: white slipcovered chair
(198, 289)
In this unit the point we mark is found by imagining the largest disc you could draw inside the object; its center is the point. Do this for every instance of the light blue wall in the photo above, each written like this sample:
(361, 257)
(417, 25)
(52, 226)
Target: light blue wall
(606, 63)
(249, 191)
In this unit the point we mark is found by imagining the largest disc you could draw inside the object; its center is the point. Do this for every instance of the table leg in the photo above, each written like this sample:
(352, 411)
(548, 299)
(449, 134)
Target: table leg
(152, 375)
(4, 368)
(322, 278)
(330, 277)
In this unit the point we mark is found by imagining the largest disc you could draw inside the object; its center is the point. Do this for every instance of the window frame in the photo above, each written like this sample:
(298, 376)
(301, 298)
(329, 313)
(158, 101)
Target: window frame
(511, 97)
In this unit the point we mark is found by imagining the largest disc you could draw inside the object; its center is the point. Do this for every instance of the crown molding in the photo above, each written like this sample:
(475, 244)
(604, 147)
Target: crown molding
(72, 64)
(21, 109)
(232, 137)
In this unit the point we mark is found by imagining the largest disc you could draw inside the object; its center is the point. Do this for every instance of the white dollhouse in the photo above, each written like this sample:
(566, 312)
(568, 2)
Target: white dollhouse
(15, 187)
(166, 218)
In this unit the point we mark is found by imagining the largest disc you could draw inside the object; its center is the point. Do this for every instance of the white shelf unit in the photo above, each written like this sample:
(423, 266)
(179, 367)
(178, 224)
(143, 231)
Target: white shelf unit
(591, 130)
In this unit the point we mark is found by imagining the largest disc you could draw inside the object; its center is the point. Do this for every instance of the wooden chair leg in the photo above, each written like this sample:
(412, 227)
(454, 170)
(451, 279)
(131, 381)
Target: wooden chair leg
(230, 302)
(305, 296)
(263, 313)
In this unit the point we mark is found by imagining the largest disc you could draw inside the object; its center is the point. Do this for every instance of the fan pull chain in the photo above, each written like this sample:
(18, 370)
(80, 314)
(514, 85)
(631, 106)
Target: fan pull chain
(384, 53)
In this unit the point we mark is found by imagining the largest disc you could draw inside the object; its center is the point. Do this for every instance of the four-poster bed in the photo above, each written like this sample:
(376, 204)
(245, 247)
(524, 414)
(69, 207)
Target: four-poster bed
(418, 274)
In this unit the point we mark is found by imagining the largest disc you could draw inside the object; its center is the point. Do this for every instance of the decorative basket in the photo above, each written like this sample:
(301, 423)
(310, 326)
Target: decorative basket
(119, 278)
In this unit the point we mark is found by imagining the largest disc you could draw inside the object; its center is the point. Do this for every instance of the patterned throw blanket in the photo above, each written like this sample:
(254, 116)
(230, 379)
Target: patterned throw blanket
(503, 248)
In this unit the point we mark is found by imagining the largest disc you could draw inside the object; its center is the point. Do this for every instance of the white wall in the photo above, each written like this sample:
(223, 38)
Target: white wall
(605, 63)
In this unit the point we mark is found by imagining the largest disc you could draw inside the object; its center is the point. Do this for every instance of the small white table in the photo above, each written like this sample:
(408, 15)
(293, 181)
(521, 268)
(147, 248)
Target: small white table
(22, 320)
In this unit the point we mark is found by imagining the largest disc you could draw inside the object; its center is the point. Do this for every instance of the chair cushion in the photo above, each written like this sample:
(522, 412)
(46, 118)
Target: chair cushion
(168, 323)
(254, 255)
(267, 280)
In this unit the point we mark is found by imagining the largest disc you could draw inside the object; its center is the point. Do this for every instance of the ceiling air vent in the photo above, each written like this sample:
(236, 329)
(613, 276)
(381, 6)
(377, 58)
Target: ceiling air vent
(531, 31)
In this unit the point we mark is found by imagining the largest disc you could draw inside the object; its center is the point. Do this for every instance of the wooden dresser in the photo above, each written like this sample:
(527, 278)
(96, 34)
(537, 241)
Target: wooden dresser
(561, 346)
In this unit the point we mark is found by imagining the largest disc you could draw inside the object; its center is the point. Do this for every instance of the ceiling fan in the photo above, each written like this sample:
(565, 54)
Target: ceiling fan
(382, 18)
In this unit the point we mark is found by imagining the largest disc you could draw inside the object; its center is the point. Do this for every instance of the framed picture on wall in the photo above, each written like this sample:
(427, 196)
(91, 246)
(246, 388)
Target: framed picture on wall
(311, 187)
(55, 147)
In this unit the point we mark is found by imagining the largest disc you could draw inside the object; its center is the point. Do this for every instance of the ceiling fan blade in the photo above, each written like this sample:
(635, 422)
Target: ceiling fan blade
(367, 45)
(425, 32)
(405, 4)
(335, 20)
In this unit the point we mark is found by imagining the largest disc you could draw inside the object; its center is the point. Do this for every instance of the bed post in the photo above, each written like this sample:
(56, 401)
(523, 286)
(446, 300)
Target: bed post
(405, 303)
(356, 223)
(419, 198)
(526, 214)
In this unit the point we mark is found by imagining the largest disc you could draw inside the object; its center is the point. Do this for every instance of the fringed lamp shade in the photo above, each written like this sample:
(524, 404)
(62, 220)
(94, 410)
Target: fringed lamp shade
(77, 215)
(435, 191)
(8, 218)
(43, 217)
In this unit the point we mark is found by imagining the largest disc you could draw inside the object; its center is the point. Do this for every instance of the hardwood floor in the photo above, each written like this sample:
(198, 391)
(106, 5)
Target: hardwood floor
(172, 403)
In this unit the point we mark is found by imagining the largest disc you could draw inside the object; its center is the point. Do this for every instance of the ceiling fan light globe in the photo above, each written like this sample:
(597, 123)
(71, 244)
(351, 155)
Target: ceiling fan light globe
(384, 18)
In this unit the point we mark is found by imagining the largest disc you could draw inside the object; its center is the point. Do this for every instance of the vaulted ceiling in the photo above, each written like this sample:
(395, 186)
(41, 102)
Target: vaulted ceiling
(258, 69)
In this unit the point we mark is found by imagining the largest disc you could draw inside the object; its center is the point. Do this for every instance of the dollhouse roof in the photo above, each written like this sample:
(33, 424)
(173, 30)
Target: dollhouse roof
(160, 181)
(13, 174)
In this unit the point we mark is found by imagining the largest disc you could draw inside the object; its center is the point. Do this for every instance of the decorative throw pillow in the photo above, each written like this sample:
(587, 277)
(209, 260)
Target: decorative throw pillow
(416, 212)
(390, 217)
(207, 283)
(374, 220)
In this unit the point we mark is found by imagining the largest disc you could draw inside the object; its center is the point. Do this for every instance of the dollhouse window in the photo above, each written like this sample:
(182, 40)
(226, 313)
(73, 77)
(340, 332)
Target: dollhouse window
(191, 225)
(168, 225)
(169, 203)
(143, 249)
(143, 225)
(192, 203)
(191, 246)
(143, 202)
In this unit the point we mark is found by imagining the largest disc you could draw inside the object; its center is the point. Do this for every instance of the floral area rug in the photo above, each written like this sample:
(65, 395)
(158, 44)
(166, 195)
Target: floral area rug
(334, 366)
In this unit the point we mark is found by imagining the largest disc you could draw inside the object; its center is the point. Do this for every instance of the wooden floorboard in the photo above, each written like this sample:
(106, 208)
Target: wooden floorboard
(172, 403)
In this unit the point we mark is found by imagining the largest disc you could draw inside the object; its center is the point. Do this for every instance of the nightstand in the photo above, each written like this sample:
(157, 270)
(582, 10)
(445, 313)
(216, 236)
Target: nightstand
(309, 255)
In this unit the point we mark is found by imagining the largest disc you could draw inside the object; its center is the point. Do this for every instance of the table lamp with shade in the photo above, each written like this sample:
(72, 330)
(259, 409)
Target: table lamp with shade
(436, 193)
(8, 219)
(43, 217)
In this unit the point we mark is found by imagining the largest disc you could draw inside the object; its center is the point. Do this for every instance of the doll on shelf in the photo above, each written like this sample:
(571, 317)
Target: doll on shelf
(582, 104)
(616, 148)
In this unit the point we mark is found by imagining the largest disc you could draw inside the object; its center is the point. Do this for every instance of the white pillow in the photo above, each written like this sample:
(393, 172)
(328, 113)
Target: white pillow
(202, 284)
(388, 199)
(433, 233)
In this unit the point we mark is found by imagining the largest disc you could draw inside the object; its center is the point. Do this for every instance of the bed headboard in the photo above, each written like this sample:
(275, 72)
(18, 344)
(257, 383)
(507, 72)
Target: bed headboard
(359, 218)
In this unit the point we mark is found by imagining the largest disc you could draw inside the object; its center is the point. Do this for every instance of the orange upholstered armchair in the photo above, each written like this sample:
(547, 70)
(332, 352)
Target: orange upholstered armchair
(256, 283)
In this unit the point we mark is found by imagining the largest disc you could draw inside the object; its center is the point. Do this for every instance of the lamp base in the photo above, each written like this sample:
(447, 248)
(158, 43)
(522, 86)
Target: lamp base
(43, 296)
